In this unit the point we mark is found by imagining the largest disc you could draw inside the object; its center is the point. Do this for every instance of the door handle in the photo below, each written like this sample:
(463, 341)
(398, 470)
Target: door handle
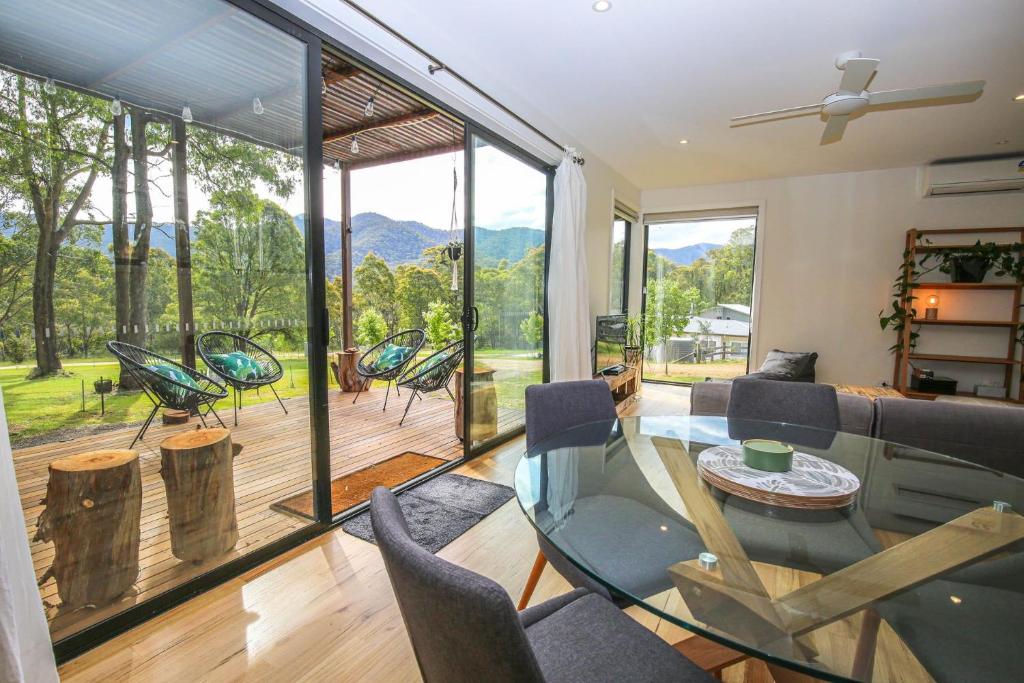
(471, 318)
(476, 318)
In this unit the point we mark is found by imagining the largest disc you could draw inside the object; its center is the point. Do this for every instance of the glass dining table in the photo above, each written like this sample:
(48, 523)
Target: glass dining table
(918, 574)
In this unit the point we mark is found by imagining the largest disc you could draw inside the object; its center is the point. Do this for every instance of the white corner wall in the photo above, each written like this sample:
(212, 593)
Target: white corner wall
(831, 246)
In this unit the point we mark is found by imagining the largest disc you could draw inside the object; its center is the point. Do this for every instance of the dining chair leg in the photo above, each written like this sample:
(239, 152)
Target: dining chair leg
(531, 581)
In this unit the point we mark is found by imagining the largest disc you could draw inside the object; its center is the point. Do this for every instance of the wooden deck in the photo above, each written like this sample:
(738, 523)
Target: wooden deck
(274, 464)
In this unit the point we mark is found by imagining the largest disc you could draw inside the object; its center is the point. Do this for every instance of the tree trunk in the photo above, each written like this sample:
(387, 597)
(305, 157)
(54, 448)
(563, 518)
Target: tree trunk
(122, 246)
(43, 317)
(138, 315)
(92, 515)
(182, 245)
(198, 472)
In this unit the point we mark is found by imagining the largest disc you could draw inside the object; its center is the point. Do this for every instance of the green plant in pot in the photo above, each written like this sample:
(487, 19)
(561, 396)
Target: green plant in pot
(634, 340)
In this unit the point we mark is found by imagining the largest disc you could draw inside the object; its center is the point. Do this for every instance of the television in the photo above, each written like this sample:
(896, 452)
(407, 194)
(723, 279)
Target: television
(609, 343)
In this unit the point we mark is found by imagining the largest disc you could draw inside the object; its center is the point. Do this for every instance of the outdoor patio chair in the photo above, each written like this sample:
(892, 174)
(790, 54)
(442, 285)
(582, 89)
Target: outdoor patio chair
(241, 363)
(387, 360)
(431, 374)
(168, 384)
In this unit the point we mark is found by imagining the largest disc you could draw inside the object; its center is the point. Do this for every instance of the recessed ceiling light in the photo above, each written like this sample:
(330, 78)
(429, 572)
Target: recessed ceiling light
(684, 141)
(1002, 142)
(1019, 97)
(602, 6)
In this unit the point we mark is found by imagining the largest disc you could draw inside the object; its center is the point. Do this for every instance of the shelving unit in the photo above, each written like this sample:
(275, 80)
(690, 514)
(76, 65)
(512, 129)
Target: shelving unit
(905, 355)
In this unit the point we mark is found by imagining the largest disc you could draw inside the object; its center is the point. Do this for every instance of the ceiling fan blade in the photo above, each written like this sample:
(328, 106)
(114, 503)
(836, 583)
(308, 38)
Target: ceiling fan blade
(776, 111)
(929, 92)
(857, 74)
(834, 129)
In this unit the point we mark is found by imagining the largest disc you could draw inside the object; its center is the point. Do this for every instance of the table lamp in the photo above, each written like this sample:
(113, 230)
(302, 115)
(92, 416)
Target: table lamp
(932, 311)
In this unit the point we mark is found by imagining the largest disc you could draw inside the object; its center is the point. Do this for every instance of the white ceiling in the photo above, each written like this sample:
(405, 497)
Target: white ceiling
(629, 83)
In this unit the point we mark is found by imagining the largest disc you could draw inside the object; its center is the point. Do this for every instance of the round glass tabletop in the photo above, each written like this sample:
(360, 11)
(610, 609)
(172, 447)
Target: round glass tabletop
(867, 560)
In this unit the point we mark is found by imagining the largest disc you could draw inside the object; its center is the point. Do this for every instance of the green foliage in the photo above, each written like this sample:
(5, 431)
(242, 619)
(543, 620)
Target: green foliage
(532, 328)
(249, 265)
(336, 308)
(416, 288)
(374, 287)
(671, 308)
(440, 328)
(84, 299)
(16, 348)
(371, 328)
(725, 274)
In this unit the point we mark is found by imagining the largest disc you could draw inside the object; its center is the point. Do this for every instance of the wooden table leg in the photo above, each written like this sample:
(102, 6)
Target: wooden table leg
(864, 656)
(709, 655)
(531, 582)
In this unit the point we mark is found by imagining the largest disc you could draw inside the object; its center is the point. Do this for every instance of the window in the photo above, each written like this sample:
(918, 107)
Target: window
(618, 277)
(699, 269)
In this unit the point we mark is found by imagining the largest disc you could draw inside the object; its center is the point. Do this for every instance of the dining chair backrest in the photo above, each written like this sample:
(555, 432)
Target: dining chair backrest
(463, 626)
(797, 404)
(558, 406)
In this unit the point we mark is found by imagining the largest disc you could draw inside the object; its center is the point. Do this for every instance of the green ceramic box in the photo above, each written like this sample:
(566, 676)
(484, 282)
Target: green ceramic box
(767, 455)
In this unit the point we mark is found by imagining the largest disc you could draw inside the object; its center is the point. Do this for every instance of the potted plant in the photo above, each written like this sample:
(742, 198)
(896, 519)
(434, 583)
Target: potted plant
(634, 340)
(103, 386)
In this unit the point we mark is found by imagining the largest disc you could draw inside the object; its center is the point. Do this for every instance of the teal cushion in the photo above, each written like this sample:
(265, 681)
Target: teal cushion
(432, 367)
(168, 391)
(391, 357)
(237, 365)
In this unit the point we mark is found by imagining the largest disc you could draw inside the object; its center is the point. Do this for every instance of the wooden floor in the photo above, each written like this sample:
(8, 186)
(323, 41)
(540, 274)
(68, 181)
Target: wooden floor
(274, 464)
(326, 611)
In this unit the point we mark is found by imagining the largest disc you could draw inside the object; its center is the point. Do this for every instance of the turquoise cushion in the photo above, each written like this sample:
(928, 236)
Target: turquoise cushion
(431, 369)
(237, 365)
(168, 391)
(391, 357)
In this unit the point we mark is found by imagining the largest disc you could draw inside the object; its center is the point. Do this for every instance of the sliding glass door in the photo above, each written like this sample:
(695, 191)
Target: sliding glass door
(697, 294)
(508, 220)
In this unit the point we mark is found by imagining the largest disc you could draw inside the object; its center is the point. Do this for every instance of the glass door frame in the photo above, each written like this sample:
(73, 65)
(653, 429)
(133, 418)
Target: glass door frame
(469, 314)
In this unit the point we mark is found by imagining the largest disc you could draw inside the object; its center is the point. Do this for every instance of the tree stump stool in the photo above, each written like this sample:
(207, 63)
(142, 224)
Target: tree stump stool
(485, 404)
(198, 473)
(93, 510)
(348, 378)
(175, 417)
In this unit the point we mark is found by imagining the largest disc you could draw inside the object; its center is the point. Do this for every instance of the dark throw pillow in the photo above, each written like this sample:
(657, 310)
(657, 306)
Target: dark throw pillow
(789, 365)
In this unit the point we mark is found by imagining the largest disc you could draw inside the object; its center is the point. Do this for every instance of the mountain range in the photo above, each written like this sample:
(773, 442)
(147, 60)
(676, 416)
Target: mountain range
(684, 256)
(396, 242)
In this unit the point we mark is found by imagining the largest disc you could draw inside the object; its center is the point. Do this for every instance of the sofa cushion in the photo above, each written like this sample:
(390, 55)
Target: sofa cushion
(792, 366)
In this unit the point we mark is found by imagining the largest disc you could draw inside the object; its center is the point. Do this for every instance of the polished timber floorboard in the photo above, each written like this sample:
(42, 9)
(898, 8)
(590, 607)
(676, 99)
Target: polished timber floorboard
(325, 611)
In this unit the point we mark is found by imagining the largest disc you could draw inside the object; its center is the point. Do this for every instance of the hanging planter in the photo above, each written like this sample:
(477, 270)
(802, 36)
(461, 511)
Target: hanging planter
(453, 250)
(969, 268)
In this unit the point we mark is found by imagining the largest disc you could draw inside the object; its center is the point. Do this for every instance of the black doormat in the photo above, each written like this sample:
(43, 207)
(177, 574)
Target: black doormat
(440, 510)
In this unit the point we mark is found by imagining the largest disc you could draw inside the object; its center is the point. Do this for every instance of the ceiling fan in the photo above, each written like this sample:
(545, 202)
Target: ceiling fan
(851, 97)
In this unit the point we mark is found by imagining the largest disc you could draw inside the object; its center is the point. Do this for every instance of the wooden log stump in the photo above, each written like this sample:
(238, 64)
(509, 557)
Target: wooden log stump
(485, 404)
(348, 379)
(176, 417)
(197, 469)
(93, 510)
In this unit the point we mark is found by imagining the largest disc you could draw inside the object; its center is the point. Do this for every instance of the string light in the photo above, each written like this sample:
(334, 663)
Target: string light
(115, 107)
(49, 87)
(323, 85)
(355, 144)
(186, 114)
(368, 109)
(257, 106)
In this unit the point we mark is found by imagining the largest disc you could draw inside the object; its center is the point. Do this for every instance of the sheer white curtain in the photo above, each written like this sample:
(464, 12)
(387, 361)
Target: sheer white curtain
(568, 288)
(26, 655)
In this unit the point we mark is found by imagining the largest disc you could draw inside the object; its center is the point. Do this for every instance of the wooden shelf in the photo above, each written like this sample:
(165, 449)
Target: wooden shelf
(987, 360)
(966, 323)
(932, 248)
(931, 396)
(973, 231)
(1009, 286)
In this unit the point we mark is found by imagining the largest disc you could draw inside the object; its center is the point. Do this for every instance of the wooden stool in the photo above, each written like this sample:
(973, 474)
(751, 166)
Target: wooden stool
(485, 404)
(175, 417)
(198, 473)
(348, 379)
(93, 510)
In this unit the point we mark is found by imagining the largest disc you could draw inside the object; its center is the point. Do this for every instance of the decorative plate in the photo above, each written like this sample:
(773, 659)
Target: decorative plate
(812, 483)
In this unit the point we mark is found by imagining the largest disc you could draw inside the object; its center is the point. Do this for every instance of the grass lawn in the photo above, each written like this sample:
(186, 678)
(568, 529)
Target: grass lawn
(694, 372)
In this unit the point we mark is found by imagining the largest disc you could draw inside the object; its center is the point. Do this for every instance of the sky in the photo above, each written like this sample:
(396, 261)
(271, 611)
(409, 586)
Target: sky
(509, 193)
(674, 235)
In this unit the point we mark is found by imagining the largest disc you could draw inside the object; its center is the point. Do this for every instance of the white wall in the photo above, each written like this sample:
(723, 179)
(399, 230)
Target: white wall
(831, 246)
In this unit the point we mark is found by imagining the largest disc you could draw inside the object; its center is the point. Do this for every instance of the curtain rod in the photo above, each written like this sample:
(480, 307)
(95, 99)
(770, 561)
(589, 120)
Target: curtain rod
(438, 65)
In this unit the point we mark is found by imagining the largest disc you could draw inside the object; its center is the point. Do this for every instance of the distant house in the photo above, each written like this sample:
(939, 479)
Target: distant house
(728, 312)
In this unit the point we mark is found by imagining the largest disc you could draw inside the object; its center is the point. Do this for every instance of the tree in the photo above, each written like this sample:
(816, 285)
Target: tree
(336, 307)
(671, 309)
(17, 248)
(374, 287)
(83, 299)
(371, 328)
(416, 288)
(438, 325)
(53, 146)
(249, 265)
(532, 328)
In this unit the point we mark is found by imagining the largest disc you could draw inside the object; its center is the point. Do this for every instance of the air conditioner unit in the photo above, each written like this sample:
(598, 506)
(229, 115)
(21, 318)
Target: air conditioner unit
(972, 177)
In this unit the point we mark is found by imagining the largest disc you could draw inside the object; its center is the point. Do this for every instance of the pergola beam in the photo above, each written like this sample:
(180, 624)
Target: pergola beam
(406, 156)
(373, 124)
(339, 74)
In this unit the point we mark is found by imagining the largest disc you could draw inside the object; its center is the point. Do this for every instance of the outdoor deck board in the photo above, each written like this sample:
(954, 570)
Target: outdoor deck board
(274, 464)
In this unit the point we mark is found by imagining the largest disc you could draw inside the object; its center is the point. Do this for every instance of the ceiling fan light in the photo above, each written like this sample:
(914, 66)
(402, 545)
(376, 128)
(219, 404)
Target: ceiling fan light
(602, 6)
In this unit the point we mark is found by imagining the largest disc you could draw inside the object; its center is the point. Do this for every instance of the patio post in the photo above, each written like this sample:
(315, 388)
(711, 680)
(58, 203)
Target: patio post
(346, 258)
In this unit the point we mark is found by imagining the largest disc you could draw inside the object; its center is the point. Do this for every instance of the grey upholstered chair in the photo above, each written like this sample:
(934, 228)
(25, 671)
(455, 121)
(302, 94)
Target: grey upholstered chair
(464, 628)
(799, 404)
(990, 436)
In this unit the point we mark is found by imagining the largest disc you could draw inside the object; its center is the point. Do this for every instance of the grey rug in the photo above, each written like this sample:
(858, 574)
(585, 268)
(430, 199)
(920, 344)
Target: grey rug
(440, 510)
